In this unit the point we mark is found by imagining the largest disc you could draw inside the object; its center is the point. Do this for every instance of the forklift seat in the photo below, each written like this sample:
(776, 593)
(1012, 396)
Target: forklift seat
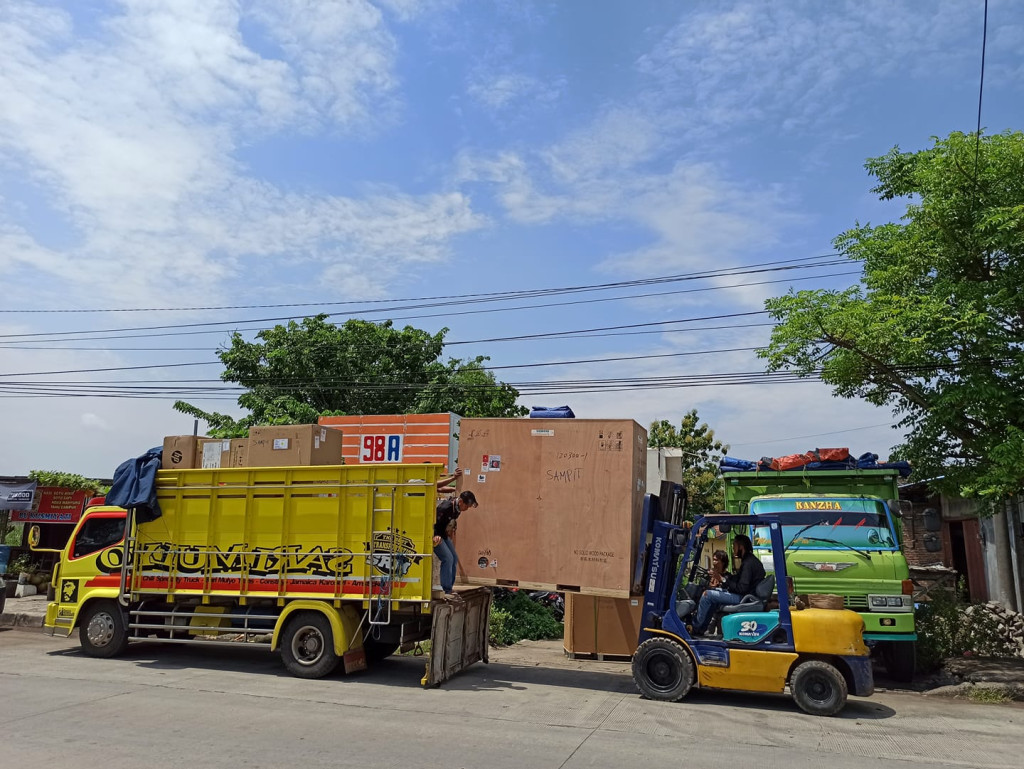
(685, 607)
(755, 601)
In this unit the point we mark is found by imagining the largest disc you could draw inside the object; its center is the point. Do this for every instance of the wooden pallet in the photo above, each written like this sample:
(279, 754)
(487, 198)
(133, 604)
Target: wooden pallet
(598, 657)
(600, 592)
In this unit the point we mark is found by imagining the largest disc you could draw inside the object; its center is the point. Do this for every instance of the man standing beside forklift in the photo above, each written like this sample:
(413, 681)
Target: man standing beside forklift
(741, 583)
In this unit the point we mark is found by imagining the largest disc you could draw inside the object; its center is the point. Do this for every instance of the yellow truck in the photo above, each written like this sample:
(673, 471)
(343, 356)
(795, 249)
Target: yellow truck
(331, 564)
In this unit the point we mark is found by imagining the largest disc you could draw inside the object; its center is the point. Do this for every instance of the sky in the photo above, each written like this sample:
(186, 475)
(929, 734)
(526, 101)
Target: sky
(172, 164)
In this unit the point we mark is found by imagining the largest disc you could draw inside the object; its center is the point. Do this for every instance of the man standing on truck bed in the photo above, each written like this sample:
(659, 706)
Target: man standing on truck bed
(448, 511)
(742, 583)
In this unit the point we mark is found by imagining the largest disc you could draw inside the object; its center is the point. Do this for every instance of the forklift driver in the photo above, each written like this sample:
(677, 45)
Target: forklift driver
(749, 573)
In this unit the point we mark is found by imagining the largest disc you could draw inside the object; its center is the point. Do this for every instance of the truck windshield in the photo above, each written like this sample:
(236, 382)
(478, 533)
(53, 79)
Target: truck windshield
(856, 523)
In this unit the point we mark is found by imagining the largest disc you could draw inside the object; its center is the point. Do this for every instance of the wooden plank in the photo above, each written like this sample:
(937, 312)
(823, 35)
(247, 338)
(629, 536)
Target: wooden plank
(598, 657)
(559, 502)
(551, 587)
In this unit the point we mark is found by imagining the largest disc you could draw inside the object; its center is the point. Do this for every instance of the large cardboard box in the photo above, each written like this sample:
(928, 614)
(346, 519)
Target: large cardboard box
(236, 453)
(559, 503)
(209, 452)
(293, 446)
(179, 452)
(605, 626)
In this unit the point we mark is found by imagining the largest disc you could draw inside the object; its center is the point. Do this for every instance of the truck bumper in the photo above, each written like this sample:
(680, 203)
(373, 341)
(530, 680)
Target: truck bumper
(58, 622)
(862, 677)
(888, 626)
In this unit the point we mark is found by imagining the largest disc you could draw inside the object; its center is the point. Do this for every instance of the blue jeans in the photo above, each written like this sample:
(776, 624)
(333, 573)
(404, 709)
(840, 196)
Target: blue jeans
(445, 552)
(710, 602)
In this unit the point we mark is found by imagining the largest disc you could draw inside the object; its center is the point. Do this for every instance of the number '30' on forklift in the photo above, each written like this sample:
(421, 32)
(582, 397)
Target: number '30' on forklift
(763, 644)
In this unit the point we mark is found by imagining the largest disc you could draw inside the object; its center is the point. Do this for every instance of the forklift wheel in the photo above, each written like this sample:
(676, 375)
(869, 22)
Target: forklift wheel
(818, 688)
(663, 670)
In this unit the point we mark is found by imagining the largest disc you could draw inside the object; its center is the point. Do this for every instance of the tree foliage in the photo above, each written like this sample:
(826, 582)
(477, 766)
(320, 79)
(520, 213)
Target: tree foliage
(935, 328)
(297, 372)
(701, 453)
(67, 481)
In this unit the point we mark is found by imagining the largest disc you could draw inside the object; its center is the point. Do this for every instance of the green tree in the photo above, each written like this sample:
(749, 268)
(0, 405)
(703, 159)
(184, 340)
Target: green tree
(935, 328)
(701, 452)
(297, 372)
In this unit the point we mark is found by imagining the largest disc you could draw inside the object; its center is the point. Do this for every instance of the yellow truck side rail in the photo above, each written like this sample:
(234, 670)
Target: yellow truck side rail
(337, 533)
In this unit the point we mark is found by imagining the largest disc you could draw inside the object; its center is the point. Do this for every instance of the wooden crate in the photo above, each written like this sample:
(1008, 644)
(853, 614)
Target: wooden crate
(560, 503)
(602, 628)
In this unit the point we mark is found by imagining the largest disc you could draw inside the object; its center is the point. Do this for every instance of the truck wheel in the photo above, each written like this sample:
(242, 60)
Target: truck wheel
(818, 688)
(376, 651)
(663, 670)
(307, 646)
(102, 630)
(900, 658)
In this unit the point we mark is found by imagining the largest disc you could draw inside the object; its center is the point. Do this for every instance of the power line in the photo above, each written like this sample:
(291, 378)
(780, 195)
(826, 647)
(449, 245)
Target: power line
(813, 435)
(74, 335)
(981, 91)
(721, 272)
(538, 337)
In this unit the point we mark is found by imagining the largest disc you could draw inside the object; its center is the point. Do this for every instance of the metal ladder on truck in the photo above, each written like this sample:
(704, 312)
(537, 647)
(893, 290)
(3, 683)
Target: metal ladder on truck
(381, 561)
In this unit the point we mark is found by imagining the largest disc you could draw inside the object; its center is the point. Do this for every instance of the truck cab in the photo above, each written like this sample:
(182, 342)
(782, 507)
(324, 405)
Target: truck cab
(842, 536)
(764, 644)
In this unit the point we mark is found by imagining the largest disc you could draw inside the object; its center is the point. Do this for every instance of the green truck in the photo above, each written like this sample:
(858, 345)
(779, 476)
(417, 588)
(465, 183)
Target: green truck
(842, 537)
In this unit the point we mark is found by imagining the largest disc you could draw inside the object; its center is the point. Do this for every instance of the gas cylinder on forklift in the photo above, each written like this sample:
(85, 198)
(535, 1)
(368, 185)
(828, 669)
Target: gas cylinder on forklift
(764, 645)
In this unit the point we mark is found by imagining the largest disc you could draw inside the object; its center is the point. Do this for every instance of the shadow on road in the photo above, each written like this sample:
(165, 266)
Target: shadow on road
(405, 672)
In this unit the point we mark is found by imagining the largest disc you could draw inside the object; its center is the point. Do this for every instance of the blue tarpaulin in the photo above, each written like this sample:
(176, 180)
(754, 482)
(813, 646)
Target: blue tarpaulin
(135, 485)
(867, 461)
(551, 412)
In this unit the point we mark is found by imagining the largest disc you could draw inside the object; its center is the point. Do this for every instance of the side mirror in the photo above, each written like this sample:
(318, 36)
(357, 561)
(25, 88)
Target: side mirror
(34, 537)
(894, 507)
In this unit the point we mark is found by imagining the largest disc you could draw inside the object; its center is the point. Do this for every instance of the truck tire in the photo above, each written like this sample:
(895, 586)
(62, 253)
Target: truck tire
(307, 646)
(663, 670)
(818, 688)
(377, 651)
(102, 629)
(900, 658)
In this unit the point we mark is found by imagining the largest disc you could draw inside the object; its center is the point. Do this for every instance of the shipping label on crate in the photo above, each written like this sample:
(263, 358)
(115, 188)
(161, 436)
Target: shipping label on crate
(382, 448)
(490, 463)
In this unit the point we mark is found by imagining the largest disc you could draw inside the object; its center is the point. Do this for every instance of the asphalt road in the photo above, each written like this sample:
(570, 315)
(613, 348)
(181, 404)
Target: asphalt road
(169, 706)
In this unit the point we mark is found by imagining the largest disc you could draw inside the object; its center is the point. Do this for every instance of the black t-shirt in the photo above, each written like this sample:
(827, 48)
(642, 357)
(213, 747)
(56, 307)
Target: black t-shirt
(447, 512)
(744, 581)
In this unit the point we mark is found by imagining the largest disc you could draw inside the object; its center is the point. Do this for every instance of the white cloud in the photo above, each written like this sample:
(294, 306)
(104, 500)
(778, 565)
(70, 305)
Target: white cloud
(796, 65)
(500, 92)
(132, 133)
(95, 421)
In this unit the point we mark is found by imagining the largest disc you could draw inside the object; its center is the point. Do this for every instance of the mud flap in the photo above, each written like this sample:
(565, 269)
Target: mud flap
(458, 635)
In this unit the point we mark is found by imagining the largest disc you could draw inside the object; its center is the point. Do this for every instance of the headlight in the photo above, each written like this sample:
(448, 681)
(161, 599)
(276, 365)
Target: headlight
(892, 603)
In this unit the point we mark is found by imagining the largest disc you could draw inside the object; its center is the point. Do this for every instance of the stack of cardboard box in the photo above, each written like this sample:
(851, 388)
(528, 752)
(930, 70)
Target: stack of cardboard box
(267, 446)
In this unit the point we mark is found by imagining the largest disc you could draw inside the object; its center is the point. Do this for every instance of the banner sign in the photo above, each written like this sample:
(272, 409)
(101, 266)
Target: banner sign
(382, 448)
(17, 496)
(56, 505)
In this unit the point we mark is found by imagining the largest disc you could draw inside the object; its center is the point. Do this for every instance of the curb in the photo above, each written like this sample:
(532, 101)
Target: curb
(20, 621)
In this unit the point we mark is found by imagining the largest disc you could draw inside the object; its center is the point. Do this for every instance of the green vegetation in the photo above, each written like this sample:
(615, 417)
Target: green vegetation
(298, 372)
(515, 617)
(948, 627)
(701, 454)
(989, 695)
(13, 535)
(67, 481)
(934, 328)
